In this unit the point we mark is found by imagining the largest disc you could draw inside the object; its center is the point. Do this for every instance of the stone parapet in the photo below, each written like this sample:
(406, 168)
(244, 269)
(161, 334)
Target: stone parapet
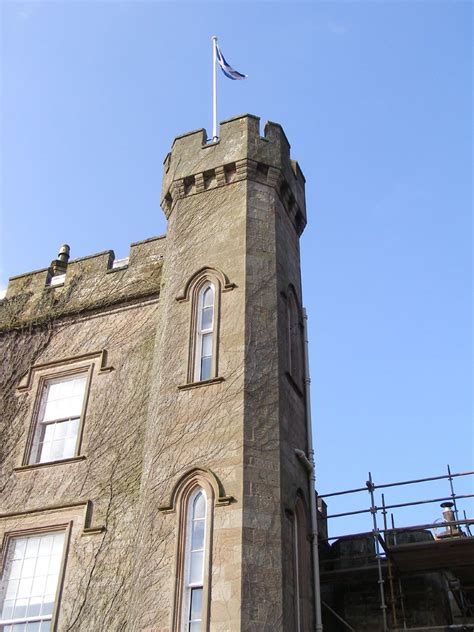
(87, 283)
(194, 166)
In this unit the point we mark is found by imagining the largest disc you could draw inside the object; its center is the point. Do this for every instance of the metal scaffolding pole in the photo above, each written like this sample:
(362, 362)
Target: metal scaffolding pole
(373, 511)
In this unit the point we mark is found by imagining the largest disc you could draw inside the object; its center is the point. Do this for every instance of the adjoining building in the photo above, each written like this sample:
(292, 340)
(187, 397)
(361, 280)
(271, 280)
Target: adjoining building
(413, 576)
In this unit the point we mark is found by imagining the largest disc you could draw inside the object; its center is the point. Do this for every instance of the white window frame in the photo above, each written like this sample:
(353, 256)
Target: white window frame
(189, 586)
(7, 569)
(33, 456)
(200, 333)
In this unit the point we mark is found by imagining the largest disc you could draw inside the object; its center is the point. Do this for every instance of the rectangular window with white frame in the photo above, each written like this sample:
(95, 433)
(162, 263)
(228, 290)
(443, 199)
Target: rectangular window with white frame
(30, 581)
(57, 425)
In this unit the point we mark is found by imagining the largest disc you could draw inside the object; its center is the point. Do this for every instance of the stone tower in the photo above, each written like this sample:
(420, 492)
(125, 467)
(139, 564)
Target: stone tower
(153, 409)
(235, 210)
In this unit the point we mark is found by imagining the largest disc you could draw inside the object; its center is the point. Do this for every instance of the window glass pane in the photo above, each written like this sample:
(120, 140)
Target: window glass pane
(34, 607)
(199, 509)
(64, 398)
(24, 587)
(207, 345)
(58, 543)
(12, 589)
(196, 604)
(28, 568)
(46, 544)
(208, 297)
(197, 540)
(7, 611)
(31, 591)
(206, 318)
(58, 440)
(19, 547)
(33, 627)
(16, 569)
(48, 605)
(37, 589)
(195, 575)
(32, 546)
(206, 365)
(19, 611)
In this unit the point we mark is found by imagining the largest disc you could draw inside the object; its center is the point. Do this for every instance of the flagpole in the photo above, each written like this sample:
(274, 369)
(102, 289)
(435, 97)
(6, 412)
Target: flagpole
(214, 88)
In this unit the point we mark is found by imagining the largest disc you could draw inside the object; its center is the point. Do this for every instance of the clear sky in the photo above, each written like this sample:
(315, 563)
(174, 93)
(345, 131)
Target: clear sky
(375, 98)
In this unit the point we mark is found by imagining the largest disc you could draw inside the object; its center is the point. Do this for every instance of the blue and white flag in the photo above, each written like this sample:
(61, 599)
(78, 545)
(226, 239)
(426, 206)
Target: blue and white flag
(226, 69)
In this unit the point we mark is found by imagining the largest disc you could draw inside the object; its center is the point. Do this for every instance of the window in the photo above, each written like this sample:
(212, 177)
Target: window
(204, 368)
(57, 425)
(194, 562)
(204, 291)
(30, 582)
(297, 574)
(301, 560)
(295, 339)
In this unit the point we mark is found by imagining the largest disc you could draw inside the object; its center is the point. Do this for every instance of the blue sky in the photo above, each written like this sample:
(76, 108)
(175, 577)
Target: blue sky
(375, 98)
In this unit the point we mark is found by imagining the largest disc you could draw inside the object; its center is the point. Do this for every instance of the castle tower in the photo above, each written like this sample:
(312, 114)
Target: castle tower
(227, 394)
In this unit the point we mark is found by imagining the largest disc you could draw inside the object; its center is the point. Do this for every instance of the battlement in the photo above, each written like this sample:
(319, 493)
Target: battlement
(84, 284)
(194, 165)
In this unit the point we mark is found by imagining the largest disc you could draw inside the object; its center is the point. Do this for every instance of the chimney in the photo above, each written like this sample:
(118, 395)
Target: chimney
(59, 265)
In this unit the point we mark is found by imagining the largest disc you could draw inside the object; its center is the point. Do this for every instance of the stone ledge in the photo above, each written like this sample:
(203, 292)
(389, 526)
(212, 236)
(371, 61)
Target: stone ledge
(34, 466)
(190, 385)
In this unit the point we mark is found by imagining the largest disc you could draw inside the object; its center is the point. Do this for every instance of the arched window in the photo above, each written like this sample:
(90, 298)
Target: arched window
(204, 354)
(295, 339)
(301, 557)
(194, 562)
(297, 571)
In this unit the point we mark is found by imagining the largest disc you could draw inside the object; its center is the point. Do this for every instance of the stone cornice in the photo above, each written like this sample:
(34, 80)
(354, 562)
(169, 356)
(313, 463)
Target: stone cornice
(245, 169)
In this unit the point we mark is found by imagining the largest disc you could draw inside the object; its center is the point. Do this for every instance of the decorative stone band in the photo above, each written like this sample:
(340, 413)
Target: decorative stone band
(245, 169)
(87, 528)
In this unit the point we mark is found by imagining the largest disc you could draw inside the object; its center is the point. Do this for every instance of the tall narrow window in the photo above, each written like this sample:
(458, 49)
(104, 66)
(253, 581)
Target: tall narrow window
(57, 424)
(194, 563)
(204, 354)
(301, 561)
(30, 582)
(295, 340)
(297, 571)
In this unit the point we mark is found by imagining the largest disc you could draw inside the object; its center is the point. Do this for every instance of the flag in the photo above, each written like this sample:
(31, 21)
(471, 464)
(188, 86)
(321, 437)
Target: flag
(226, 69)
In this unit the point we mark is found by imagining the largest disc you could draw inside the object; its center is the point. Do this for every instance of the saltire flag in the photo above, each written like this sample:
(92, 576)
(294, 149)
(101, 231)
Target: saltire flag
(226, 68)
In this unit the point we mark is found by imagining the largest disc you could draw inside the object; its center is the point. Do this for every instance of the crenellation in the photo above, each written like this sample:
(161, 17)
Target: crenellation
(86, 283)
(239, 152)
(210, 179)
(230, 172)
(200, 186)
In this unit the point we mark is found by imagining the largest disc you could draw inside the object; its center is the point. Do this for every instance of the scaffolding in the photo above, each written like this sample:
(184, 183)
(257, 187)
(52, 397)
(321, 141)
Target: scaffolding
(445, 547)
